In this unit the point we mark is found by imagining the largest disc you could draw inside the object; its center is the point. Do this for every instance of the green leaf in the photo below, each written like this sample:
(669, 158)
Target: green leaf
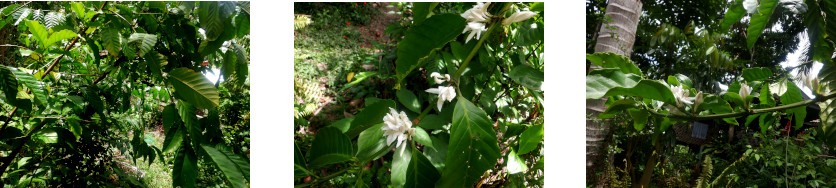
(431, 121)
(515, 163)
(209, 16)
(39, 32)
(229, 65)
(759, 20)
(530, 138)
(299, 163)
(612, 60)
(173, 129)
(612, 82)
(79, 10)
(190, 121)
(793, 95)
(529, 33)
(400, 165)
(538, 7)
(370, 116)
(112, 41)
(422, 137)
(243, 63)
(155, 63)
(36, 86)
(59, 36)
(473, 148)
(439, 154)
(528, 77)
(420, 11)
(733, 15)
(235, 168)
(371, 144)
(147, 42)
(639, 118)
(342, 124)
(756, 74)
(617, 107)
(8, 84)
(330, 146)
(358, 78)
(421, 39)
(680, 79)
(420, 172)
(766, 98)
(828, 107)
(185, 169)
(408, 99)
(194, 88)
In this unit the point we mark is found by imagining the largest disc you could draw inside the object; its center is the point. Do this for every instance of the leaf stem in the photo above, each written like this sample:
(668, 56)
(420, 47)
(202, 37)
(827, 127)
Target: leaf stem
(335, 174)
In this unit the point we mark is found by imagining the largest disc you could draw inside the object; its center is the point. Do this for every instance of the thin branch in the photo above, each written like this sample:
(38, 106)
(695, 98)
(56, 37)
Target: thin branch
(71, 44)
(745, 113)
(12, 45)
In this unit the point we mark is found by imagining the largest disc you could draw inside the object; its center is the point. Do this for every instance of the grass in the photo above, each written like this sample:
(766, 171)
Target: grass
(157, 174)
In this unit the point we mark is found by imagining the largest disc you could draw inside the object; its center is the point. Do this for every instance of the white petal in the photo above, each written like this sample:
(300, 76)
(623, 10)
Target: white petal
(390, 139)
(470, 36)
(439, 80)
(432, 90)
(440, 103)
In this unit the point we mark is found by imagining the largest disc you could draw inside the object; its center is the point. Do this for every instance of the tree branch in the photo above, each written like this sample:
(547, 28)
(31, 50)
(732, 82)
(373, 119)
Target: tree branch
(744, 113)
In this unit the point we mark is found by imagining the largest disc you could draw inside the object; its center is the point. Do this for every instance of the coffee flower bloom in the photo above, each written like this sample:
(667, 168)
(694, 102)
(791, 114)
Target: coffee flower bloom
(697, 101)
(681, 95)
(444, 93)
(744, 92)
(476, 17)
(397, 127)
(518, 16)
(750, 6)
(809, 81)
(440, 79)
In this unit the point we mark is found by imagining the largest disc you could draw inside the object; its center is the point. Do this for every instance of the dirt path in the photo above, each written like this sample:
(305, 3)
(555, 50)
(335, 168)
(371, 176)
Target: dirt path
(375, 30)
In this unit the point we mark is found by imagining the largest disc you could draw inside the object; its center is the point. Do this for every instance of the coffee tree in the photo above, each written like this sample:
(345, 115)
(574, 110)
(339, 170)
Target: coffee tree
(467, 110)
(90, 77)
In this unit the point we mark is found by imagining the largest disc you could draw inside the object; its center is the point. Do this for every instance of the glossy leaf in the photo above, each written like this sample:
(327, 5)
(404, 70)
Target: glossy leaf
(756, 74)
(343, 125)
(759, 20)
(371, 144)
(235, 168)
(618, 107)
(530, 138)
(612, 60)
(793, 95)
(435, 32)
(242, 71)
(828, 107)
(439, 154)
(420, 11)
(209, 16)
(8, 84)
(370, 116)
(680, 79)
(299, 163)
(59, 36)
(37, 87)
(194, 88)
(473, 148)
(400, 165)
(420, 172)
(112, 41)
(733, 15)
(422, 137)
(516, 164)
(409, 100)
(38, 31)
(185, 169)
(147, 42)
(529, 33)
(528, 77)
(431, 121)
(330, 146)
(612, 82)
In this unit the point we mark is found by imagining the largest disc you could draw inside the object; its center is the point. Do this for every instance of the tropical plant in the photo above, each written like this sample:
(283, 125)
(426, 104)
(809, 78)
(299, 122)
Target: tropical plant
(467, 107)
(93, 76)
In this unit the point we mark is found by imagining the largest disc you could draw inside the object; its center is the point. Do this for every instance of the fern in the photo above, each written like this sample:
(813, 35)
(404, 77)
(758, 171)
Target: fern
(306, 97)
(707, 167)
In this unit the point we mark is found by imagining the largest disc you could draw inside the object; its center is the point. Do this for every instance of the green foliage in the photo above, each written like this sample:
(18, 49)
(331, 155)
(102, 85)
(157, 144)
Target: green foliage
(759, 21)
(423, 38)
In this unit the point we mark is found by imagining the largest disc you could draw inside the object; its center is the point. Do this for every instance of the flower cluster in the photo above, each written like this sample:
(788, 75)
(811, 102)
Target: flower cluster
(809, 81)
(518, 16)
(440, 79)
(476, 17)
(445, 93)
(397, 127)
(681, 95)
(750, 5)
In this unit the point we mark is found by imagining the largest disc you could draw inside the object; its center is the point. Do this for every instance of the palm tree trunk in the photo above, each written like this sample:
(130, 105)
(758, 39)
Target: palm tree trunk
(617, 36)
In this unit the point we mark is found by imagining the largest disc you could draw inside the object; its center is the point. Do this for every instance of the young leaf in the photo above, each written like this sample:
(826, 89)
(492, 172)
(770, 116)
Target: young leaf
(530, 138)
(38, 31)
(235, 168)
(59, 36)
(36, 86)
(422, 137)
(194, 88)
(473, 148)
(733, 15)
(756, 74)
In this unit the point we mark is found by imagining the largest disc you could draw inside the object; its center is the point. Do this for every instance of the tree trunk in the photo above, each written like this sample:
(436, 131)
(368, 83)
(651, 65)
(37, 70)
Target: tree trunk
(617, 37)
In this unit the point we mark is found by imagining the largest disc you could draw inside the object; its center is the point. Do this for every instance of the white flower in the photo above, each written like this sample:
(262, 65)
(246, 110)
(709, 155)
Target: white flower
(809, 81)
(750, 6)
(397, 127)
(681, 95)
(444, 93)
(744, 92)
(518, 16)
(475, 28)
(479, 13)
(440, 79)
(697, 101)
